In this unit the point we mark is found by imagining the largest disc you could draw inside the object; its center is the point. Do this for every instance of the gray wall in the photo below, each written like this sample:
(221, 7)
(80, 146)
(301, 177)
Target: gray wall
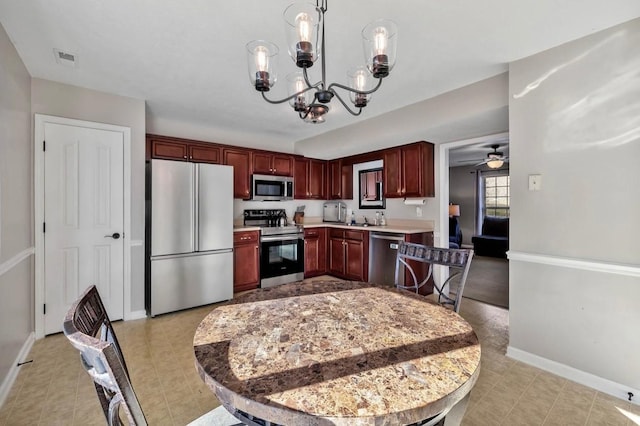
(575, 120)
(62, 100)
(16, 194)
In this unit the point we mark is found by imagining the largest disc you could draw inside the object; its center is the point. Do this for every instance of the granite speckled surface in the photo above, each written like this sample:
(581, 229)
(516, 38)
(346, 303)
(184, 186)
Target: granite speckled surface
(343, 353)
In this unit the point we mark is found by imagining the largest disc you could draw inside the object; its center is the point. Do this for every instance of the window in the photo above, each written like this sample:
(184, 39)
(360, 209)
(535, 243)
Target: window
(496, 196)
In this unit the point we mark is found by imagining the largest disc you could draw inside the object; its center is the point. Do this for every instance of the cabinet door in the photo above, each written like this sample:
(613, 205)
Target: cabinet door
(300, 179)
(412, 171)
(316, 182)
(354, 262)
(315, 252)
(169, 150)
(204, 154)
(262, 163)
(346, 182)
(282, 165)
(246, 264)
(241, 162)
(392, 173)
(334, 178)
(336, 257)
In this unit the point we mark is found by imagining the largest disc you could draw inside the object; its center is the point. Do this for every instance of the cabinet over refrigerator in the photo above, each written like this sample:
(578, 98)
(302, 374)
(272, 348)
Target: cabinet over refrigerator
(189, 235)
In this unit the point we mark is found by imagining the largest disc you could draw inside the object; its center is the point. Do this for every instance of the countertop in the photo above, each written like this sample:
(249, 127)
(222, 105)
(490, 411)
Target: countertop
(393, 228)
(336, 352)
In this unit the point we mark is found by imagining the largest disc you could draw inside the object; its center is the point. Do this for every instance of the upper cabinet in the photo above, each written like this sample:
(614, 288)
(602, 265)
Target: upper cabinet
(339, 180)
(309, 179)
(182, 150)
(272, 164)
(240, 159)
(408, 171)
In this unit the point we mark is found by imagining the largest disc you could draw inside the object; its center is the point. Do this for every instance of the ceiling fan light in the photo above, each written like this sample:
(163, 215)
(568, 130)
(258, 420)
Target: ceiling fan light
(495, 163)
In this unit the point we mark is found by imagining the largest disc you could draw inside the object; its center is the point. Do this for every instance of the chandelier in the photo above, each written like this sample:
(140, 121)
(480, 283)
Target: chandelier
(304, 25)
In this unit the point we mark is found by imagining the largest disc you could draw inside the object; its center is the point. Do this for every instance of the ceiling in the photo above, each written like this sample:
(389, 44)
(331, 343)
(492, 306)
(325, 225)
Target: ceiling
(186, 58)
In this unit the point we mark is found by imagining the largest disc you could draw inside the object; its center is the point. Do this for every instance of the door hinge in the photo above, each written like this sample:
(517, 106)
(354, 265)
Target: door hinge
(44, 309)
(44, 145)
(44, 227)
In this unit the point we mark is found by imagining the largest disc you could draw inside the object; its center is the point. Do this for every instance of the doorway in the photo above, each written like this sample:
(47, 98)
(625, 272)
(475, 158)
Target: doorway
(82, 217)
(492, 274)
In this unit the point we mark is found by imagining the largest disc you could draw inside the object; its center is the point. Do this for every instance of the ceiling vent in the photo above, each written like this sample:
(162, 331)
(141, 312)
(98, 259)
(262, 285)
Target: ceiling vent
(65, 58)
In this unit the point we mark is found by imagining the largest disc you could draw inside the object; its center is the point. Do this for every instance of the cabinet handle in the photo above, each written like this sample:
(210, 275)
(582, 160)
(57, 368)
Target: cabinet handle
(185, 157)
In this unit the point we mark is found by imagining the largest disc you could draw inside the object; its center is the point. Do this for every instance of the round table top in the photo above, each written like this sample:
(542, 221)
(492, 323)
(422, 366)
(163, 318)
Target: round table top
(336, 353)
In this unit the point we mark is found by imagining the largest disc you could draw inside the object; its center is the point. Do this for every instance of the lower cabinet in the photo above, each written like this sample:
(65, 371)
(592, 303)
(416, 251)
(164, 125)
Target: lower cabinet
(246, 260)
(315, 252)
(349, 254)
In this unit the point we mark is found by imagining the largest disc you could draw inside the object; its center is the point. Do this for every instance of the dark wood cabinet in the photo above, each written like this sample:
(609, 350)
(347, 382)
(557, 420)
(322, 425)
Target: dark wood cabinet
(315, 252)
(204, 154)
(309, 179)
(349, 254)
(339, 180)
(420, 268)
(167, 148)
(240, 159)
(408, 171)
(272, 164)
(246, 260)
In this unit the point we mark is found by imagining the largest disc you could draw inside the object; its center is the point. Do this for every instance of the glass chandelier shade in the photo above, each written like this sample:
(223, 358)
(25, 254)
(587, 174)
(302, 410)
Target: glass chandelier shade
(305, 32)
(302, 26)
(262, 60)
(379, 40)
(361, 80)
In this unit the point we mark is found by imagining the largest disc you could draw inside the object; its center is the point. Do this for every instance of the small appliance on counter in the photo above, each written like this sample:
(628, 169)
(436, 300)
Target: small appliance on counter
(334, 211)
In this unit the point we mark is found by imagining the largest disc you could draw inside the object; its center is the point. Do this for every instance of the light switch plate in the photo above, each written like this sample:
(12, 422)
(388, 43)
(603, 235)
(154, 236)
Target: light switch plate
(535, 182)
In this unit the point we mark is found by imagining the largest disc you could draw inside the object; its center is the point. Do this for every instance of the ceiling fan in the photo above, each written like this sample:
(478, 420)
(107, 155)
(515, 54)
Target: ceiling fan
(495, 159)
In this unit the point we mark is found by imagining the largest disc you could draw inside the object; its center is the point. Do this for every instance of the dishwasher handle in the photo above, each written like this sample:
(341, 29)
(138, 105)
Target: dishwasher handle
(393, 239)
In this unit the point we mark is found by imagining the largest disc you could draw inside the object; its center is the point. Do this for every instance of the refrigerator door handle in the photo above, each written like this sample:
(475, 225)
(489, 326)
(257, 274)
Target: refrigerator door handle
(196, 206)
(200, 253)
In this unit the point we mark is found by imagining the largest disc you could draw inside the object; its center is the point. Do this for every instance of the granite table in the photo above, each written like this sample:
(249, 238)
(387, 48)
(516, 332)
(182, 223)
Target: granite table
(336, 353)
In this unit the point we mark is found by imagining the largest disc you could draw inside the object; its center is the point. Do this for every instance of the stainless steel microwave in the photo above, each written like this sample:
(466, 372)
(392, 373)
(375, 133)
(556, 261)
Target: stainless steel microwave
(271, 188)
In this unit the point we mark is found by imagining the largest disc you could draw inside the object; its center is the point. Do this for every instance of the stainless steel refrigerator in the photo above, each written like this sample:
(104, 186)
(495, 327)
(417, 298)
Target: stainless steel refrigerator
(189, 236)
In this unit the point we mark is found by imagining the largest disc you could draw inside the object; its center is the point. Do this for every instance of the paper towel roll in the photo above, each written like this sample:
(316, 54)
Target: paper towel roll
(414, 201)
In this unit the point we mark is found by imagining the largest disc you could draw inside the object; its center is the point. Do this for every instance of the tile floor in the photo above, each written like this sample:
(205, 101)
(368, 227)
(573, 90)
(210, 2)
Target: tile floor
(54, 390)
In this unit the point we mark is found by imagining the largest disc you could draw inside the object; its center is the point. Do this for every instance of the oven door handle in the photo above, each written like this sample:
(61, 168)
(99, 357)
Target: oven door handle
(271, 238)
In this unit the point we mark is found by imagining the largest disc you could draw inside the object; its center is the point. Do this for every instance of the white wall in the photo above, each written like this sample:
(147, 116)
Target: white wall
(462, 191)
(575, 120)
(16, 220)
(48, 97)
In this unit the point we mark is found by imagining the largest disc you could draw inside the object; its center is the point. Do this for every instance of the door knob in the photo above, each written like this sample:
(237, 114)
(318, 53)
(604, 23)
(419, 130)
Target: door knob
(115, 236)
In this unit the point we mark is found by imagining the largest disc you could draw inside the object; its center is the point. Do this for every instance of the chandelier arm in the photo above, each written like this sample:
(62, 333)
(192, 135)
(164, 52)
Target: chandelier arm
(308, 83)
(345, 105)
(279, 101)
(350, 89)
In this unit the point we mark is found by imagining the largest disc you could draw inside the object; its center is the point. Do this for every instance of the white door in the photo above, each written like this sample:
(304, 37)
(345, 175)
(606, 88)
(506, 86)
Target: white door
(83, 219)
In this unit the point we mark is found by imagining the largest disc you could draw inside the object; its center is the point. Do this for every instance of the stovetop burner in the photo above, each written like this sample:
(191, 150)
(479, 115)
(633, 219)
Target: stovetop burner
(268, 220)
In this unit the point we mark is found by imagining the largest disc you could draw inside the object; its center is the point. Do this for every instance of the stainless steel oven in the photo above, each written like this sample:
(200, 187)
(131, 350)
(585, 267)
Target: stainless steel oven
(281, 247)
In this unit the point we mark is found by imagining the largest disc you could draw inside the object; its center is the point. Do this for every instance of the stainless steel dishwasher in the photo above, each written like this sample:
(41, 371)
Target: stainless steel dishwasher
(383, 248)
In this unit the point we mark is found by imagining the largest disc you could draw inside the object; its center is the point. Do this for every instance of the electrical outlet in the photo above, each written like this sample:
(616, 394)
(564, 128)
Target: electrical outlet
(419, 211)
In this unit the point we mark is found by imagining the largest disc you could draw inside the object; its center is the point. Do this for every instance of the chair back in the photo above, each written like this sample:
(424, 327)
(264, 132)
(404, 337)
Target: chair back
(458, 261)
(88, 328)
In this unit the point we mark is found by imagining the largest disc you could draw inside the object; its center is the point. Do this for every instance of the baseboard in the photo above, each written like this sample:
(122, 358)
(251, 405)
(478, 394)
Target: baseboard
(10, 379)
(598, 383)
(136, 315)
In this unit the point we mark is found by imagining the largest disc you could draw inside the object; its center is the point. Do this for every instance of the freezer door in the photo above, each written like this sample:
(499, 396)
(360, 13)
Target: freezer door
(172, 207)
(181, 282)
(214, 207)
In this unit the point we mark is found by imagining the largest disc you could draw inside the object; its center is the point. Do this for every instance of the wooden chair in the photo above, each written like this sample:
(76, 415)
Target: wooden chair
(89, 330)
(458, 261)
